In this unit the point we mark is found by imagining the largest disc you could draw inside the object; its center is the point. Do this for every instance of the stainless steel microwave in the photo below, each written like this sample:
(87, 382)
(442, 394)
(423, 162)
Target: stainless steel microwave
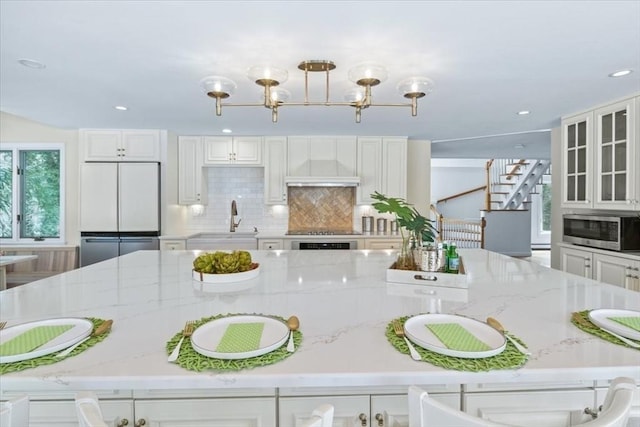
(618, 233)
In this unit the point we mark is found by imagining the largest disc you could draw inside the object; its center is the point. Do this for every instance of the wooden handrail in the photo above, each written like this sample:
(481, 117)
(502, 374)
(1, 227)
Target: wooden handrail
(464, 193)
(515, 168)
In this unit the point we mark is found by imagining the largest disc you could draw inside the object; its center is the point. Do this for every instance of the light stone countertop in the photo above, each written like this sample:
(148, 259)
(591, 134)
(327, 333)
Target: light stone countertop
(344, 305)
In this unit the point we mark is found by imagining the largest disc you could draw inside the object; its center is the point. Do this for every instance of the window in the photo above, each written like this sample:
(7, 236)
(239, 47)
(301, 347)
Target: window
(546, 207)
(31, 192)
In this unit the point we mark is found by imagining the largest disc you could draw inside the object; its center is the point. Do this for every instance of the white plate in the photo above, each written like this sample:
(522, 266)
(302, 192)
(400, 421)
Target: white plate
(206, 338)
(601, 318)
(416, 330)
(226, 278)
(82, 328)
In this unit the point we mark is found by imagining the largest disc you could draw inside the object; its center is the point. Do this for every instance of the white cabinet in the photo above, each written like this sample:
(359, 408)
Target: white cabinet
(616, 271)
(119, 197)
(275, 169)
(382, 167)
(242, 150)
(383, 410)
(394, 167)
(600, 154)
(270, 244)
(576, 261)
(577, 145)
(120, 145)
(616, 160)
(531, 408)
(321, 156)
(192, 183)
(116, 413)
(237, 412)
(383, 243)
(173, 245)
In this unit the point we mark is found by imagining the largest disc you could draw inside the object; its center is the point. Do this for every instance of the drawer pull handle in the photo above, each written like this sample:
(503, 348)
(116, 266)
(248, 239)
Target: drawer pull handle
(141, 422)
(123, 422)
(428, 278)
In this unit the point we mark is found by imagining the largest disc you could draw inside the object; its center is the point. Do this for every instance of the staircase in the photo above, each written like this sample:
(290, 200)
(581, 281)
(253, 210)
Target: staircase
(510, 182)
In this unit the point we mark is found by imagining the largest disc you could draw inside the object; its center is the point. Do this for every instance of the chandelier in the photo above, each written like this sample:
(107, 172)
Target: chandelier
(365, 76)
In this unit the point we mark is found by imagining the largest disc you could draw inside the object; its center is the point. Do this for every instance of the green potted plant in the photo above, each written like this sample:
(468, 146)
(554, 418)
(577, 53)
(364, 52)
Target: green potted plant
(414, 228)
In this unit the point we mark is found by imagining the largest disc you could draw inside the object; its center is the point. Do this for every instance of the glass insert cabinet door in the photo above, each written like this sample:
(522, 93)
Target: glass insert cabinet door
(577, 145)
(615, 153)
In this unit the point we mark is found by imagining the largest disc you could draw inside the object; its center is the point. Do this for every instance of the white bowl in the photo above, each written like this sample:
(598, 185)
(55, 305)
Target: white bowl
(226, 278)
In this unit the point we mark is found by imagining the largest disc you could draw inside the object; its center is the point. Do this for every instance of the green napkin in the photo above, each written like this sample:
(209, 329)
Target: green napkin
(632, 322)
(32, 339)
(456, 337)
(241, 337)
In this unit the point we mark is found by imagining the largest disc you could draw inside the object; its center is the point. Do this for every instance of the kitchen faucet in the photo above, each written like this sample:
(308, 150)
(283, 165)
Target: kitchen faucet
(234, 212)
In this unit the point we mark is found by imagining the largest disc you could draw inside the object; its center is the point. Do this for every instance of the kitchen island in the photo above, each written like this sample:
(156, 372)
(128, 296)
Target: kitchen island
(344, 305)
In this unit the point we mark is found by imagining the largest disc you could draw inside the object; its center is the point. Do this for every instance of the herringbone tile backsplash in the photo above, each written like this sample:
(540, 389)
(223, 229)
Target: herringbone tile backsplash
(321, 208)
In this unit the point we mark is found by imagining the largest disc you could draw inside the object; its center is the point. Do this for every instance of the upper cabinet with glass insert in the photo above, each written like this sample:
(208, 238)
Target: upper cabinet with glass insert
(616, 180)
(577, 144)
(601, 157)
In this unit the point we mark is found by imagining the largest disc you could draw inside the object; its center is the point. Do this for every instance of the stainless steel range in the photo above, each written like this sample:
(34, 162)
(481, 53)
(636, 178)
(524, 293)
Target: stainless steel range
(324, 240)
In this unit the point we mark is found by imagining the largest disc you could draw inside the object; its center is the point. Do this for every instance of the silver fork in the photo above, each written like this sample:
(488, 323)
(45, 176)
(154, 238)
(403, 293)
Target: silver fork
(186, 332)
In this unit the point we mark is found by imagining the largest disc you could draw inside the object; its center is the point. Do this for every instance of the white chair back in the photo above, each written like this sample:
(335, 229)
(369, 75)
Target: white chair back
(15, 412)
(322, 416)
(88, 410)
(427, 412)
(617, 404)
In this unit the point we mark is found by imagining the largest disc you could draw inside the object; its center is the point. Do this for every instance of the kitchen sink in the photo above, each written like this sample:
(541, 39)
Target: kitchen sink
(223, 241)
(225, 235)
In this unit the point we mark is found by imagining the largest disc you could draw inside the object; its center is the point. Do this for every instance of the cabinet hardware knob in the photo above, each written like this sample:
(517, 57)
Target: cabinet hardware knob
(380, 419)
(123, 422)
(141, 422)
(363, 419)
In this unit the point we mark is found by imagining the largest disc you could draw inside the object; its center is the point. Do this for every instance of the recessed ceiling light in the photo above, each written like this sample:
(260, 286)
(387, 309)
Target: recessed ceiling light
(519, 146)
(32, 63)
(121, 107)
(523, 112)
(620, 73)
(226, 131)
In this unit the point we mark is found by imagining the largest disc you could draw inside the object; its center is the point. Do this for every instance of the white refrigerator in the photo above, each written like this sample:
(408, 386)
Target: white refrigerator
(119, 209)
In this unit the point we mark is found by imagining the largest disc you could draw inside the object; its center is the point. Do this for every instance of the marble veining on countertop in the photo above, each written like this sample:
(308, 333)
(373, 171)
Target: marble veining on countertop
(344, 305)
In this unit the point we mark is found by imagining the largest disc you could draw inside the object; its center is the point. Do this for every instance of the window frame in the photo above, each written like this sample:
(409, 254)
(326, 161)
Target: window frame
(16, 148)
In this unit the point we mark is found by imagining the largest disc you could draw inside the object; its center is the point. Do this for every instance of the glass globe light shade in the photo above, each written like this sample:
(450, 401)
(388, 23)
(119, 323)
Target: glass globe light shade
(354, 95)
(368, 73)
(279, 94)
(267, 75)
(217, 86)
(415, 87)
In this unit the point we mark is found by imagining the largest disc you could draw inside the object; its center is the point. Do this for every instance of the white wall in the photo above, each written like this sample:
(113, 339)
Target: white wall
(454, 176)
(18, 129)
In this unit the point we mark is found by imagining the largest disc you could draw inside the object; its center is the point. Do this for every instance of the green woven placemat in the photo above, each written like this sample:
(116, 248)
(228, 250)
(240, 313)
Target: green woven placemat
(194, 361)
(48, 359)
(581, 320)
(510, 358)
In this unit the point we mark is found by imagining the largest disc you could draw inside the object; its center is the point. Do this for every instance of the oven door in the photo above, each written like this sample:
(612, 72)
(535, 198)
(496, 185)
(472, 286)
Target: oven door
(324, 244)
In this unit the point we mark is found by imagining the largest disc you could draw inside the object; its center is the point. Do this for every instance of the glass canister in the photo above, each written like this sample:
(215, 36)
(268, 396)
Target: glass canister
(429, 260)
(381, 225)
(393, 226)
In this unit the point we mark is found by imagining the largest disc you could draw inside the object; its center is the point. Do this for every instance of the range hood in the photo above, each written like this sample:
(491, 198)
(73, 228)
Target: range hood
(322, 181)
(322, 173)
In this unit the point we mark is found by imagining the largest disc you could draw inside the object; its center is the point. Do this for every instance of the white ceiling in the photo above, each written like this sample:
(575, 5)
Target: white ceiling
(489, 60)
